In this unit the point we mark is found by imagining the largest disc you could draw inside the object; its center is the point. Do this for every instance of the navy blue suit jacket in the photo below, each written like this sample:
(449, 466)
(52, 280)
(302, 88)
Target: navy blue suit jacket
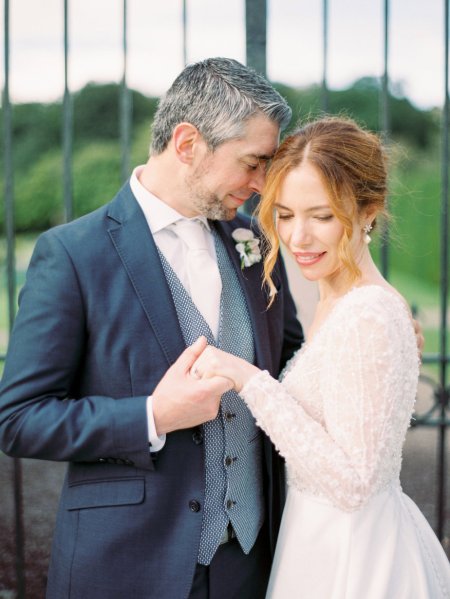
(95, 332)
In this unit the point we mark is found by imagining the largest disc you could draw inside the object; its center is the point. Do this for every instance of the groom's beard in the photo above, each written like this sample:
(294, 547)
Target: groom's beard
(209, 205)
(205, 201)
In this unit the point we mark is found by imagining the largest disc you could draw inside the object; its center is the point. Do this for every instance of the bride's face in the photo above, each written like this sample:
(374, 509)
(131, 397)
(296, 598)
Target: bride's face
(307, 225)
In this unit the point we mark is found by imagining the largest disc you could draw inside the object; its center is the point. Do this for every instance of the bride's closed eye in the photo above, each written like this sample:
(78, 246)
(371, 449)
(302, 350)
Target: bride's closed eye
(324, 217)
(283, 216)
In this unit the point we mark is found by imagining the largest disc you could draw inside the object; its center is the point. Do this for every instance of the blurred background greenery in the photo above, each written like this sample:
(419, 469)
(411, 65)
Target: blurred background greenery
(415, 175)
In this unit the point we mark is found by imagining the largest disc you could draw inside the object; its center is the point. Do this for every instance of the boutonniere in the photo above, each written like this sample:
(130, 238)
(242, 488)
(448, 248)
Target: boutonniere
(248, 247)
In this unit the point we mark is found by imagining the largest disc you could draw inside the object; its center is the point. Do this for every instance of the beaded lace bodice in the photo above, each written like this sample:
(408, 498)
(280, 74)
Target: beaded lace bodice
(340, 413)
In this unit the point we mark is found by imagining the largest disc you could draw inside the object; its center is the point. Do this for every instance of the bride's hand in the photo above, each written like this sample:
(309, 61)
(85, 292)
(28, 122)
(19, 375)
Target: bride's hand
(215, 362)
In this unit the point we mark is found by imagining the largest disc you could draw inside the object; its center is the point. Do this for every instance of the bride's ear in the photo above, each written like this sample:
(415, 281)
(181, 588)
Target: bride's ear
(368, 216)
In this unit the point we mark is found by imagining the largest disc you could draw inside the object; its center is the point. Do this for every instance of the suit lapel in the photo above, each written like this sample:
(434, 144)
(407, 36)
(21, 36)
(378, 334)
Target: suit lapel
(251, 281)
(137, 250)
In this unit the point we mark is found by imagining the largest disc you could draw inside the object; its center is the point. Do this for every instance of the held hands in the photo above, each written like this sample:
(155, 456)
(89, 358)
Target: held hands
(183, 401)
(213, 363)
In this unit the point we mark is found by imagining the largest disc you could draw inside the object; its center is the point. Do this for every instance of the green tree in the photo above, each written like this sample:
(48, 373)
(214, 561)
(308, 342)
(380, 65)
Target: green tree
(96, 111)
(361, 101)
(38, 195)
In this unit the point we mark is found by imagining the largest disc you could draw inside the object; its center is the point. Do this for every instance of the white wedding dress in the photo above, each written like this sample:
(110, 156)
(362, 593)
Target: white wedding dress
(339, 417)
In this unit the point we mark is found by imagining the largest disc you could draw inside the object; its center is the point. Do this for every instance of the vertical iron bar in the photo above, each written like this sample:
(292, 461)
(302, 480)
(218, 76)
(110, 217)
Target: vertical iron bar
(11, 274)
(444, 288)
(184, 33)
(9, 183)
(20, 530)
(385, 128)
(325, 95)
(256, 35)
(256, 44)
(67, 125)
(384, 116)
(125, 107)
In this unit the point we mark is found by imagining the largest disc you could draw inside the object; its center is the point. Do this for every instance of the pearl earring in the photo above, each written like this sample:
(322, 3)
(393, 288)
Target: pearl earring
(367, 228)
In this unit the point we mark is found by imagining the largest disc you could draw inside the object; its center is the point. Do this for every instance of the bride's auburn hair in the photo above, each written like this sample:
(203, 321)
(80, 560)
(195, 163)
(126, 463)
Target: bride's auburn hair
(353, 166)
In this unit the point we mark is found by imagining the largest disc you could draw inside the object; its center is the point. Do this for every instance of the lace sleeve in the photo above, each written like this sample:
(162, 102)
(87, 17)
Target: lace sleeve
(367, 387)
(289, 366)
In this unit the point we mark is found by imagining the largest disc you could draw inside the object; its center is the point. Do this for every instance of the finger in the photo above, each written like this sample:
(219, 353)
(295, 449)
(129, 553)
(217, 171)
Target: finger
(421, 342)
(195, 372)
(218, 384)
(199, 345)
(191, 353)
(209, 372)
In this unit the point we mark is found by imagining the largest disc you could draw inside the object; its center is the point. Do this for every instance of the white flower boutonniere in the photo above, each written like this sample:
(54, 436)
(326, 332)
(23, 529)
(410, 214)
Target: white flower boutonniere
(248, 247)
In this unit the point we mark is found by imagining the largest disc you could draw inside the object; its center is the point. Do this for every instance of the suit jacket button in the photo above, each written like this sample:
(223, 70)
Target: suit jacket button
(197, 437)
(102, 460)
(194, 506)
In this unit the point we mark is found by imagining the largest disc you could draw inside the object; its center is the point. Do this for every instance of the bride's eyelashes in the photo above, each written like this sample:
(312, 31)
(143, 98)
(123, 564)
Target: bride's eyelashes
(324, 218)
(283, 216)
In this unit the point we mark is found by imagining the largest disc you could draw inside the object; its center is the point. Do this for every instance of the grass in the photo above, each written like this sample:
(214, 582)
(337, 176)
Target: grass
(416, 205)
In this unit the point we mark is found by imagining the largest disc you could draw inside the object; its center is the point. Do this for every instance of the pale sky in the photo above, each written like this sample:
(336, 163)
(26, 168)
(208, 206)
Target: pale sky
(217, 28)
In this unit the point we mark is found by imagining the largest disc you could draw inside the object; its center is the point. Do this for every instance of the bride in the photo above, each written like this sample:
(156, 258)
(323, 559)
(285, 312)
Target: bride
(340, 413)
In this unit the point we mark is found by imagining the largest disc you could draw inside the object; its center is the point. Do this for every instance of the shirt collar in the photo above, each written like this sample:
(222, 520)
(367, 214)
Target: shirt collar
(158, 214)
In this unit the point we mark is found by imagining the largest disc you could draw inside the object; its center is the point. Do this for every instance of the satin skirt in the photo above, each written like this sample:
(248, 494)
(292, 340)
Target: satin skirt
(385, 550)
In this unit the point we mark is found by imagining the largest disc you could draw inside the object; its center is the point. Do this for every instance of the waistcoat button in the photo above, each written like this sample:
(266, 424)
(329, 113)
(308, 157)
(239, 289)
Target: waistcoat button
(197, 437)
(194, 506)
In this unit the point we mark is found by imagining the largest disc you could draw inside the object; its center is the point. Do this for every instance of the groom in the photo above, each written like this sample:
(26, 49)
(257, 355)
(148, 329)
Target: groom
(171, 491)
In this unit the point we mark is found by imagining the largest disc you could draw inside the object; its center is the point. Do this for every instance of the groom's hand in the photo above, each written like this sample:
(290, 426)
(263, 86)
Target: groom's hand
(214, 362)
(181, 401)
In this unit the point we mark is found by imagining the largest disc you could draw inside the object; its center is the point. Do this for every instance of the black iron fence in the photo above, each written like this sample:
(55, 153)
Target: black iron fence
(437, 414)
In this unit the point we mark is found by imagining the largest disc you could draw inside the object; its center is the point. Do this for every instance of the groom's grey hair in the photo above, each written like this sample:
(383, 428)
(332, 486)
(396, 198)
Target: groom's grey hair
(218, 96)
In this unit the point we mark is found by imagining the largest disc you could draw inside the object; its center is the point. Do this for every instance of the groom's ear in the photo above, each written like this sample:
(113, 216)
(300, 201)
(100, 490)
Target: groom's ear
(186, 139)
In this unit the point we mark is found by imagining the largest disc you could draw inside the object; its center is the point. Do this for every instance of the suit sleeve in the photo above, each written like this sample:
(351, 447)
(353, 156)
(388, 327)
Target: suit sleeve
(38, 418)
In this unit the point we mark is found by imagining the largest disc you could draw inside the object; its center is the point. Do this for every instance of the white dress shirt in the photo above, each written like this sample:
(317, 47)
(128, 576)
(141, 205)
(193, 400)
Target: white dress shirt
(160, 216)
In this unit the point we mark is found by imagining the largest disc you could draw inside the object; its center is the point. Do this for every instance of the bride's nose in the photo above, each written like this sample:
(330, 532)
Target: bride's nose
(300, 235)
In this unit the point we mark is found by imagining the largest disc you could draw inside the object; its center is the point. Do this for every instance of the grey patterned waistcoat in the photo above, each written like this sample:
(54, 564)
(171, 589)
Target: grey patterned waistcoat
(233, 444)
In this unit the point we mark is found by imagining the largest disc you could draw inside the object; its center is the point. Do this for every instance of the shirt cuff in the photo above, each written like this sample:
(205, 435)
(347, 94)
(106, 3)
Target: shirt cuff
(156, 443)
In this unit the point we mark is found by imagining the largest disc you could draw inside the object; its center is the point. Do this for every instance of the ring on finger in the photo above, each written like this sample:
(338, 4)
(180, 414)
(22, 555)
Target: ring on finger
(196, 373)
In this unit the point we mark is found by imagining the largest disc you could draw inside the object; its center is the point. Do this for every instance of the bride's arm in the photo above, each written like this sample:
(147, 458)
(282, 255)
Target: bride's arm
(367, 387)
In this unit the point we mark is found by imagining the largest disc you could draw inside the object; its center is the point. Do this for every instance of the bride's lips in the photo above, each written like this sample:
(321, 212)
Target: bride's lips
(308, 258)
